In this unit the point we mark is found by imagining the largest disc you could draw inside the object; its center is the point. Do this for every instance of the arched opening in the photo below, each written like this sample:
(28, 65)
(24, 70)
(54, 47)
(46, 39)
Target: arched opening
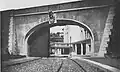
(37, 41)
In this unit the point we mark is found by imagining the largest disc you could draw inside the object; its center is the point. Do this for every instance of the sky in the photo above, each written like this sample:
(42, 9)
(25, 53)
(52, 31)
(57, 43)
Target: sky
(17, 4)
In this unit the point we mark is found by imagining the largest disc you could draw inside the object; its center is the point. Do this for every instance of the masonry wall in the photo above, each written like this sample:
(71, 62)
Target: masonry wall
(93, 18)
(114, 44)
(63, 6)
(5, 19)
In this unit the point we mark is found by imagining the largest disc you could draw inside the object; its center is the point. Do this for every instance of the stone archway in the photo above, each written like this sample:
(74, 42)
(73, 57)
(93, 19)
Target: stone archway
(31, 35)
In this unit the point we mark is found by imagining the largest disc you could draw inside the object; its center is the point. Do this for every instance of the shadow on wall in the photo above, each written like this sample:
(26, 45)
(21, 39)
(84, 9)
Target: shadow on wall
(39, 43)
(96, 42)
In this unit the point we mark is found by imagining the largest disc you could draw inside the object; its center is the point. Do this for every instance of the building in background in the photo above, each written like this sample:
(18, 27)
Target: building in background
(79, 39)
(73, 39)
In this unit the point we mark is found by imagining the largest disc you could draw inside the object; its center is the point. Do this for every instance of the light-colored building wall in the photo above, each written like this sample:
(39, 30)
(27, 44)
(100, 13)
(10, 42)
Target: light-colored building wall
(66, 34)
(75, 32)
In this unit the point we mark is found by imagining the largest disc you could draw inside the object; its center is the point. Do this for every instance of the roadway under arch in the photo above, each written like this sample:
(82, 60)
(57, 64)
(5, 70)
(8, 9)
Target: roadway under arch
(37, 39)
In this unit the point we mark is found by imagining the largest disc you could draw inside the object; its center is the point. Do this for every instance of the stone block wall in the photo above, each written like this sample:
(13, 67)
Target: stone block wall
(94, 18)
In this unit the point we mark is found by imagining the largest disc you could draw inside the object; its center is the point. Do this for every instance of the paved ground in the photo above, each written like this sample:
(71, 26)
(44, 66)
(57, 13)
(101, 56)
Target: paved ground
(40, 65)
(88, 62)
(18, 61)
(52, 65)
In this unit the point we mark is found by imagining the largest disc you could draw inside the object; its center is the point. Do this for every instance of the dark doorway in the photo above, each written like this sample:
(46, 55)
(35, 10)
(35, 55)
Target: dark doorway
(39, 43)
(78, 48)
(62, 51)
(66, 50)
(84, 48)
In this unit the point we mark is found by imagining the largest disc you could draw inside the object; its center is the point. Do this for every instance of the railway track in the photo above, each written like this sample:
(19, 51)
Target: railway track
(70, 65)
(53, 65)
(78, 65)
(60, 67)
